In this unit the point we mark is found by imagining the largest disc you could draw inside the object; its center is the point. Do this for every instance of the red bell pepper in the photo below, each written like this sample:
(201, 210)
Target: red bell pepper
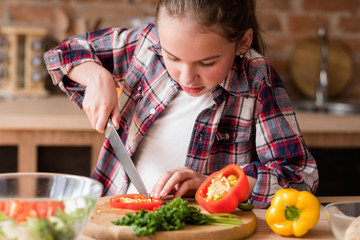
(135, 202)
(234, 188)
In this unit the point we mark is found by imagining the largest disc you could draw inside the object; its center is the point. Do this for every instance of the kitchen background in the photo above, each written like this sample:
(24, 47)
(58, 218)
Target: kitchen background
(285, 25)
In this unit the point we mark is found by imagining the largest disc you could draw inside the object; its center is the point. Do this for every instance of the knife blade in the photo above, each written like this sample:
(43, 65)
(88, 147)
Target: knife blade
(125, 160)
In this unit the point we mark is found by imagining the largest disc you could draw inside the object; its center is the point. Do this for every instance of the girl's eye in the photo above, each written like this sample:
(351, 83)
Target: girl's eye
(171, 58)
(207, 64)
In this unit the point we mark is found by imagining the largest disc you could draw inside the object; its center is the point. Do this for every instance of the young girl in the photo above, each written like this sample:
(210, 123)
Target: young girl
(196, 95)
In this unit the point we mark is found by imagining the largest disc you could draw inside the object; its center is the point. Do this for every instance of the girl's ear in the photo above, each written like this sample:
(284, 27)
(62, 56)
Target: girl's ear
(245, 42)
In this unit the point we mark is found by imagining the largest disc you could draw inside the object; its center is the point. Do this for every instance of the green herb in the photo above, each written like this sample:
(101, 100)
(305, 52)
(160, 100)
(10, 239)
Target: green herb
(174, 216)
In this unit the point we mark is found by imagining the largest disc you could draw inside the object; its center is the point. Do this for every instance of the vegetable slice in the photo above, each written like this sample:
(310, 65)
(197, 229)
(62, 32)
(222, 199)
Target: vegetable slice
(135, 202)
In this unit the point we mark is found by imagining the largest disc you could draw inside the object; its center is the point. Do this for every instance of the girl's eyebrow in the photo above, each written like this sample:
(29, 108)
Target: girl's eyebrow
(200, 60)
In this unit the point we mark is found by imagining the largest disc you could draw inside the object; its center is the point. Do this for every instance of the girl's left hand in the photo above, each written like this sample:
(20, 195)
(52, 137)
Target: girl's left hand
(179, 180)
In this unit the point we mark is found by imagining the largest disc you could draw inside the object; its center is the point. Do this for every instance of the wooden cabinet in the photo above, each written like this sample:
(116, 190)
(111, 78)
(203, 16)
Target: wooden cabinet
(55, 121)
(334, 141)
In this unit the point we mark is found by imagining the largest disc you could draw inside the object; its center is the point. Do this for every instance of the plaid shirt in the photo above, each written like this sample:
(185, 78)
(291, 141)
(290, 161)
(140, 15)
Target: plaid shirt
(251, 122)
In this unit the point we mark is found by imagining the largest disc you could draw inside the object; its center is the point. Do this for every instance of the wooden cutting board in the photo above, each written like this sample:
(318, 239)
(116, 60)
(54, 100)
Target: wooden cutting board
(100, 227)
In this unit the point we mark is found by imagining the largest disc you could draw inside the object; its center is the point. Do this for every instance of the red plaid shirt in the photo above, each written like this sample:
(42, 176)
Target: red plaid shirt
(251, 123)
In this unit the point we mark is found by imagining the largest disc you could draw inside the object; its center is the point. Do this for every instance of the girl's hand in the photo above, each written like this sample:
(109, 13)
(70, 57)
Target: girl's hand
(180, 180)
(100, 99)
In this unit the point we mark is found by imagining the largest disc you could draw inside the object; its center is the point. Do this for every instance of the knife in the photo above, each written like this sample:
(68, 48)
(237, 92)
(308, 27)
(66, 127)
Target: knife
(121, 153)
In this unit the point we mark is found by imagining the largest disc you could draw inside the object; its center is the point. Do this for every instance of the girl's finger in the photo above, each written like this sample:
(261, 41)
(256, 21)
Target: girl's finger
(187, 185)
(179, 177)
(101, 122)
(115, 117)
(160, 183)
(92, 116)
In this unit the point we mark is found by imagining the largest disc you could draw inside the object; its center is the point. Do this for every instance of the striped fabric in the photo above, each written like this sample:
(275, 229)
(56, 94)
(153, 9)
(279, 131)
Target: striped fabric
(251, 123)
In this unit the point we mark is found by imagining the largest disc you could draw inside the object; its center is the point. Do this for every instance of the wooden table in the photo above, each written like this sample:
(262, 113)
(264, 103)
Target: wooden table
(50, 121)
(320, 231)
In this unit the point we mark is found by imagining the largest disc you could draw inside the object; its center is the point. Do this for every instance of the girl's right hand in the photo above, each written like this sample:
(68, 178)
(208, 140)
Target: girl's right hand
(100, 99)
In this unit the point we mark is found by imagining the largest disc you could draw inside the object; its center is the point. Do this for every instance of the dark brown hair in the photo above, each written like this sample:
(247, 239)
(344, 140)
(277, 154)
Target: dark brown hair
(229, 18)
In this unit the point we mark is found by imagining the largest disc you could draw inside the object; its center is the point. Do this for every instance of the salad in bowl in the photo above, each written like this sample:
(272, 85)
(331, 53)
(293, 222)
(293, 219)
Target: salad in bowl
(45, 206)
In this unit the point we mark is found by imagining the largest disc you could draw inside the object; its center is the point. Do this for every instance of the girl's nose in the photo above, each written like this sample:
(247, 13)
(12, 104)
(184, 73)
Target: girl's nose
(188, 74)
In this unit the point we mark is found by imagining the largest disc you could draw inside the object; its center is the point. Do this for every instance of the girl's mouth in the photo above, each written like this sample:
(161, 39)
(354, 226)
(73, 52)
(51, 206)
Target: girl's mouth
(192, 90)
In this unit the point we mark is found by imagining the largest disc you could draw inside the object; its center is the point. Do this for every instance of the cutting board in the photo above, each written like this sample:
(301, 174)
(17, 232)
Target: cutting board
(100, 226)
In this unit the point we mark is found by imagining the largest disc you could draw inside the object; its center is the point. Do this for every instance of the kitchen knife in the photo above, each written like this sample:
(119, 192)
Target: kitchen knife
(121, 153)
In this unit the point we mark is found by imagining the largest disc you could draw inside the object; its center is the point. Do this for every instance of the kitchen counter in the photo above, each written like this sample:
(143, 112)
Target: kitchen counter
(320, 231)
(326, 130)
(56, 121)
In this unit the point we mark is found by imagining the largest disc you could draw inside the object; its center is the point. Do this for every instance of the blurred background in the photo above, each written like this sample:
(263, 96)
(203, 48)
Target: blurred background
(293, 46)
(285, 24)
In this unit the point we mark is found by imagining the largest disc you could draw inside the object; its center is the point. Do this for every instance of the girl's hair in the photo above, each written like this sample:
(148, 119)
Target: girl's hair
(229, 18)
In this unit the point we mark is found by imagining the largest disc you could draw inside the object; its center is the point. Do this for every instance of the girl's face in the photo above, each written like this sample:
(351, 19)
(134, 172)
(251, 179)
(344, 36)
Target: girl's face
(198, 60)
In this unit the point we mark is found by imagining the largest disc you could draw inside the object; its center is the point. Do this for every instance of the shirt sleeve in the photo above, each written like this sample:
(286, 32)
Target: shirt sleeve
(283, 158)
(112, 48)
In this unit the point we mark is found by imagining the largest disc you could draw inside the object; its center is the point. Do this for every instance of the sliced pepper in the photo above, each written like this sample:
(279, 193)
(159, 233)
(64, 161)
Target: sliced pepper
(135, 202)
(292, 212)
(223, 199)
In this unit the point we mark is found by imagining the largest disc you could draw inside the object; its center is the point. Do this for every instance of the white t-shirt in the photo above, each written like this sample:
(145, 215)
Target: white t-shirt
(166, 142)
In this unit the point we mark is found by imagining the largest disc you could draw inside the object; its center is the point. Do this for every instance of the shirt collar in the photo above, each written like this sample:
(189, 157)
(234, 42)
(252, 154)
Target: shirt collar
(236, 82)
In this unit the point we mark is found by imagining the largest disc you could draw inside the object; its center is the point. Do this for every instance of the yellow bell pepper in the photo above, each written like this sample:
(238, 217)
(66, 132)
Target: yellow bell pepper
(292, 212)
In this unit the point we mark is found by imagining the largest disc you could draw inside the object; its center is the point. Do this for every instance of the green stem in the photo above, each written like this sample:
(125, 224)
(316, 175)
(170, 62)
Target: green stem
(292, 213)
(224, 224)
(229, 215)
(224, 219)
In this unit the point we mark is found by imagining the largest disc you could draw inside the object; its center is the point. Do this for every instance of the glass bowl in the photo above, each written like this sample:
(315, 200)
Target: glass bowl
(39, 206)
(340, 215)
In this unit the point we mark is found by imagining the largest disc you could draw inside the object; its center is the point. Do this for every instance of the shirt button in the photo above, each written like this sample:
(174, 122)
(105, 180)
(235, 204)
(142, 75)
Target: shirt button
(152, 111)
(227, 136)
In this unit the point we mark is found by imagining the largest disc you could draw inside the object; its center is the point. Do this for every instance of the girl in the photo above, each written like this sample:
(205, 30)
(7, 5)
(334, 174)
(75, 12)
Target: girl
(196, 95)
